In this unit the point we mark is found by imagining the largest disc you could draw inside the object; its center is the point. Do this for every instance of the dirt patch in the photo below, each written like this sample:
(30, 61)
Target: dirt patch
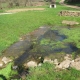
(23, 9)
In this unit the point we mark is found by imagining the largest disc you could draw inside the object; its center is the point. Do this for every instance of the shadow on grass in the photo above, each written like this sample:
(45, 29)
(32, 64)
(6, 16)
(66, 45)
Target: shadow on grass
(2, 77)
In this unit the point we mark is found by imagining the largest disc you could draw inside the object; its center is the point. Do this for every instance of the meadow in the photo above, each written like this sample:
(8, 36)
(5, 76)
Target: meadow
(13, 26)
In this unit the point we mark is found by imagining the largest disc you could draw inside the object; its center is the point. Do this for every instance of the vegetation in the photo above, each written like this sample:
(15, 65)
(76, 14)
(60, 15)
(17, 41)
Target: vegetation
(19, 3)
(13, 26)
(53, 44)
(7, 72)
(48, 72)
(73, 2)
(73, 35)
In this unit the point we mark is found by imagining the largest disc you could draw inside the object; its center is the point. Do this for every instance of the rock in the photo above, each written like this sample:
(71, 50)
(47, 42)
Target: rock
(67, 57)
(31, 64)
(48, 60)
(1, 64)
(56, 62)
(39, 64)
(6, 60)
(64, 65)
(77, 59)
(75, 65)
(14, 67)
(21, 39)
(69, 22)
(69, 13)
(68, 62)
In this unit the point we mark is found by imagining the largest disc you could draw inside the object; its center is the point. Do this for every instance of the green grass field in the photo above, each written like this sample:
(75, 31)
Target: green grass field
(13, 26)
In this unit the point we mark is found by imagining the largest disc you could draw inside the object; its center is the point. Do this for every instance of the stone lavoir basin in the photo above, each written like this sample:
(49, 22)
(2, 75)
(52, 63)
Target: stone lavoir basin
(39, 44)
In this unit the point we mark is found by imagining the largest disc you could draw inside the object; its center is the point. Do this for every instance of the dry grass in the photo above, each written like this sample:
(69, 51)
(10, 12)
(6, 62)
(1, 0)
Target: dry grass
(23, 9)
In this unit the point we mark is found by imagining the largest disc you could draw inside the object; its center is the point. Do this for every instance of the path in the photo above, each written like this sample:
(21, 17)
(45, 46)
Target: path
(5, 13)
(23, 9)
(62, 3)
(20, 10)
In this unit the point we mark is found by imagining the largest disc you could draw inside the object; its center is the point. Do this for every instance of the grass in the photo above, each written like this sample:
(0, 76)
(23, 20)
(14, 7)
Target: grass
(73, 3)
(53, 44)
(13, 26)
(1, 11)
(73, 35)
(7, 71)
(48, 72)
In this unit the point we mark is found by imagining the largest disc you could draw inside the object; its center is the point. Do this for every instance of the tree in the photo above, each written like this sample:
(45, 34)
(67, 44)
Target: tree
(72, 1)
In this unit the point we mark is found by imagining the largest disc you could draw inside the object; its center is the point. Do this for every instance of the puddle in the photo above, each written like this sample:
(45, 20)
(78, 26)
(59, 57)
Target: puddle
(43, 42)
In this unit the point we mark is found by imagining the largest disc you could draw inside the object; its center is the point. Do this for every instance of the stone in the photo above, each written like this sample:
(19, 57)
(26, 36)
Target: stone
(48, 60)
(39, 64)
(6, 60)
(77, 59)
(31, 64)
(69, 13)
(1, 64)
(69, 22)
(75, 65)
(64, 65)
(68, 62)
(55, 62)
(14, 67)
(21, 39)
(67, 57)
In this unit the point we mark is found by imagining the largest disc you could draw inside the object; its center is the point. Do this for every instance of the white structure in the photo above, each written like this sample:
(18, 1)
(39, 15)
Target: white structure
(52, 5)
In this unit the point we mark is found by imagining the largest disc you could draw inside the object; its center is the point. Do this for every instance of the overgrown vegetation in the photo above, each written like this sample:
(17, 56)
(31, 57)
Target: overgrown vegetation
(73, 2)
(73, 35)
(7, 72)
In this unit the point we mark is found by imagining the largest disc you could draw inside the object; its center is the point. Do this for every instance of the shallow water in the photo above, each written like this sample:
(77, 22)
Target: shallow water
(43, 42)
(31, 45)
(54, 44)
